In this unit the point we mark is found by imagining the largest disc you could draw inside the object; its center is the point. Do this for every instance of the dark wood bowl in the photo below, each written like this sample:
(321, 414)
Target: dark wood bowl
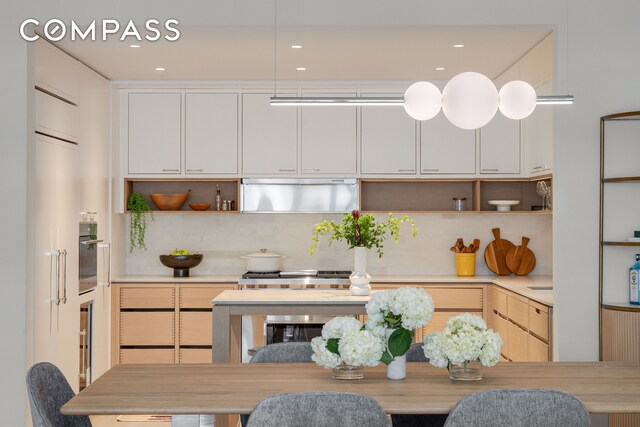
(181, 263)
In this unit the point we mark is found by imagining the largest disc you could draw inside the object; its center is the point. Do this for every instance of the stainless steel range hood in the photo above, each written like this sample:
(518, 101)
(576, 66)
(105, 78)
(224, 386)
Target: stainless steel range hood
(299, 195)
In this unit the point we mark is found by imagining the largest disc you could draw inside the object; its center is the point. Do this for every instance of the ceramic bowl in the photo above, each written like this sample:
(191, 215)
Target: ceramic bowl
(169, 202)
(199, 206)
(181, 263)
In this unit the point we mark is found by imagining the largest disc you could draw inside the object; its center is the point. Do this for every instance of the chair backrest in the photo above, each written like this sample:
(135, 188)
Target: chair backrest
(284, 352)
(416, 353)
(48, 390)
(519, 408)
(318, 409)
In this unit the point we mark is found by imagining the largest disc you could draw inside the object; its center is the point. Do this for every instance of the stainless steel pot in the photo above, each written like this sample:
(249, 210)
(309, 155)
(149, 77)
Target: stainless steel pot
(263, 262)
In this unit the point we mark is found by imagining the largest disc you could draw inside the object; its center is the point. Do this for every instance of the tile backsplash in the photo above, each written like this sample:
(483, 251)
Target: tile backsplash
(223, 239)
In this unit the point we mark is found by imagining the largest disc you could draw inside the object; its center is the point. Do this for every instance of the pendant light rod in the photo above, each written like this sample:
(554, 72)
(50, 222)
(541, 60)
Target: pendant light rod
(309, 101)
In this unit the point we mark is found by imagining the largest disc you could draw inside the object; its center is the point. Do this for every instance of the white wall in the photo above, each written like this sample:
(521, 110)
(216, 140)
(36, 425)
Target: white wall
(224, 238)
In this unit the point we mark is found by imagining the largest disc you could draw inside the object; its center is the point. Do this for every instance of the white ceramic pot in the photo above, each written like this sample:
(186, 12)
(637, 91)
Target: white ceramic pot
(263, 262)
(397, 369)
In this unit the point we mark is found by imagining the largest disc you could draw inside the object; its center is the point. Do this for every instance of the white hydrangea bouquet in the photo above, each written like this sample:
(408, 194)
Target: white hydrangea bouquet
(465, 339)
(396, 313)
(344, 341)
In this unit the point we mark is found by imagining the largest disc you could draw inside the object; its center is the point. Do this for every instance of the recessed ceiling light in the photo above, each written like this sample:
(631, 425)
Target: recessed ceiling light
(458, 45)
(160, 68)
(301, 69)
(296, 46)
(134, 45)
(439, 68)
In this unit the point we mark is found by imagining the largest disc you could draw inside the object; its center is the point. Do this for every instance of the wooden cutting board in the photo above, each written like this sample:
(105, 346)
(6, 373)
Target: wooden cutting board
(496, 252)
(520, 260)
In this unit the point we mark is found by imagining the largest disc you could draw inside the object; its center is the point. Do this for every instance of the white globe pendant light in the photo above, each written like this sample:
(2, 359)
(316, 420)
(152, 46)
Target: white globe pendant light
(517, 100)
(422, 100)
(470, 100)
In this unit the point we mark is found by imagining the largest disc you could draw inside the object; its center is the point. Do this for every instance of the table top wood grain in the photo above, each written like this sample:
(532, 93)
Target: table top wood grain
(238, 388)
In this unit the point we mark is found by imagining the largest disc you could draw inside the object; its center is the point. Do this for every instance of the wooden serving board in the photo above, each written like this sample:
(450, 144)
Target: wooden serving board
(520, 259)
(495, 254)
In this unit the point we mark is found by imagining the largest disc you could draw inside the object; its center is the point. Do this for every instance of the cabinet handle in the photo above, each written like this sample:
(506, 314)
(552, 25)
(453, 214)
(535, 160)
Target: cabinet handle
(90, 242)
(430, 170)
(537, 168)
(311, 170)
(83, 358)
(55, 254)
(170, 170)
(406, 170)
(286, 170)
(538, 311)
(195, 170)
(106, 260)
(64, 276)
(490, 170)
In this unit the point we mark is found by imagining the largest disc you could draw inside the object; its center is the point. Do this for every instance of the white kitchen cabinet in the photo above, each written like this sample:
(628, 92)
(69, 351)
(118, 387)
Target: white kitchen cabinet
(154, 133)
(56, 118)
(56, 320)
(94, 169)
(211, 133)
(329, 139)
(446, 149)
(500, 146)
(388, 141)
(269, 136)
(538, 135)
(56, 72)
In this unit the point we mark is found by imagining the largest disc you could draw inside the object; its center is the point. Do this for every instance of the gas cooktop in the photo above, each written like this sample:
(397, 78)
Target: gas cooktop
(308, 279)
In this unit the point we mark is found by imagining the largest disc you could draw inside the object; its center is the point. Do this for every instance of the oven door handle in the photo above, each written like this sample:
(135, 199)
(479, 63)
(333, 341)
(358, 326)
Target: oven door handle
(90, 242)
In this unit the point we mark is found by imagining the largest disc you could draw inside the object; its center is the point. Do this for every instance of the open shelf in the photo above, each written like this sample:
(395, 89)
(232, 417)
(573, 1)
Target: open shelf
(436, 195)
(202, 191)
(620, 243)
(622, 179)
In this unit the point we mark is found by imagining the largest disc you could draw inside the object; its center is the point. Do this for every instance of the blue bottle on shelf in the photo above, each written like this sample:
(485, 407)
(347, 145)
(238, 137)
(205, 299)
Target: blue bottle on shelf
(634, 291)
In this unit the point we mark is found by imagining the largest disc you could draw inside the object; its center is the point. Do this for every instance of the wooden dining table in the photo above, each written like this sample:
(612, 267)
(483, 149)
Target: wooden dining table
(235, 388)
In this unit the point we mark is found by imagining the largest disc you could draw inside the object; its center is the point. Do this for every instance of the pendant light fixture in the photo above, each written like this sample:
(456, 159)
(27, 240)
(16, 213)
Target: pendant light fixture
(469, 100)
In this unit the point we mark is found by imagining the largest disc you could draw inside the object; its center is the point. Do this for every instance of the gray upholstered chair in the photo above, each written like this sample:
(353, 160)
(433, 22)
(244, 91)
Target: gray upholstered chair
(519, 408)
(416, 354)
(48, 390)
(318, 409)
(284, 352)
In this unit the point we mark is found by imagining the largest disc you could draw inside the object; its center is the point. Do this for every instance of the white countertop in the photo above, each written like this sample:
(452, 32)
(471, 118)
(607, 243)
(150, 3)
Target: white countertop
(517, 284)
(290, 297)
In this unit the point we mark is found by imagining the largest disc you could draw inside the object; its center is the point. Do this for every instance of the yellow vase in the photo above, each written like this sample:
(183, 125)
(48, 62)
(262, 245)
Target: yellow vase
(466, 264)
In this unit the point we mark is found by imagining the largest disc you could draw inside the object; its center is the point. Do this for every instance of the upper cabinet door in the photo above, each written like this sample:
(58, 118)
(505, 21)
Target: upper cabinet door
(388, 141)
(538, 135)
(56, 72)
(269, 136)
(329, 139)
(211, 133)
(500, 146)
(154, 133)
(445, 148)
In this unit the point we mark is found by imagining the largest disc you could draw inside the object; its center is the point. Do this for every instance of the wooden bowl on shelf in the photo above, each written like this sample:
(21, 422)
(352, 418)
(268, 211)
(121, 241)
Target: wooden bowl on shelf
(169, 202)
(199, 206)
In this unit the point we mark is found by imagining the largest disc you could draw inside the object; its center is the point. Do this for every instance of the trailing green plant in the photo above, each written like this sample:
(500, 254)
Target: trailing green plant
(139, 208)
(359, 230)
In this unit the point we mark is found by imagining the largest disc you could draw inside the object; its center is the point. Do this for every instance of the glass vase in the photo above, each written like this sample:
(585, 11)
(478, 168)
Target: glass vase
(348, 372)
(359, 278)
(467, 371)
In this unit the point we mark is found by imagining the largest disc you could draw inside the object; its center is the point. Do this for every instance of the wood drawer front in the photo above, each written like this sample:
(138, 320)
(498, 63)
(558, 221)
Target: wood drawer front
(518, 311)
(147, 355)
(498, 300)
(500, 325)
(438, 321)
(195, 355)
(518, 343)
(459, 298)
(538, 350)
(147, 328)
(195, 328)
(147, 297)
(539, 322)
(201, 297)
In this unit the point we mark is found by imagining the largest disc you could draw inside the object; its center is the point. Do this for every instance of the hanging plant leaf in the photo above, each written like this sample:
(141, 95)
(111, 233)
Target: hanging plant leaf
(138, 208)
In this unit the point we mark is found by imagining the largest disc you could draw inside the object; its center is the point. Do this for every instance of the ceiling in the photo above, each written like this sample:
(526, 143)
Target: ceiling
(328, 53)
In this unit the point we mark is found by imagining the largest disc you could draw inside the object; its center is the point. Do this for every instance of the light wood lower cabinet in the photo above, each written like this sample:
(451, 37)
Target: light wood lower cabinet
(163, 323)
(523, 324)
